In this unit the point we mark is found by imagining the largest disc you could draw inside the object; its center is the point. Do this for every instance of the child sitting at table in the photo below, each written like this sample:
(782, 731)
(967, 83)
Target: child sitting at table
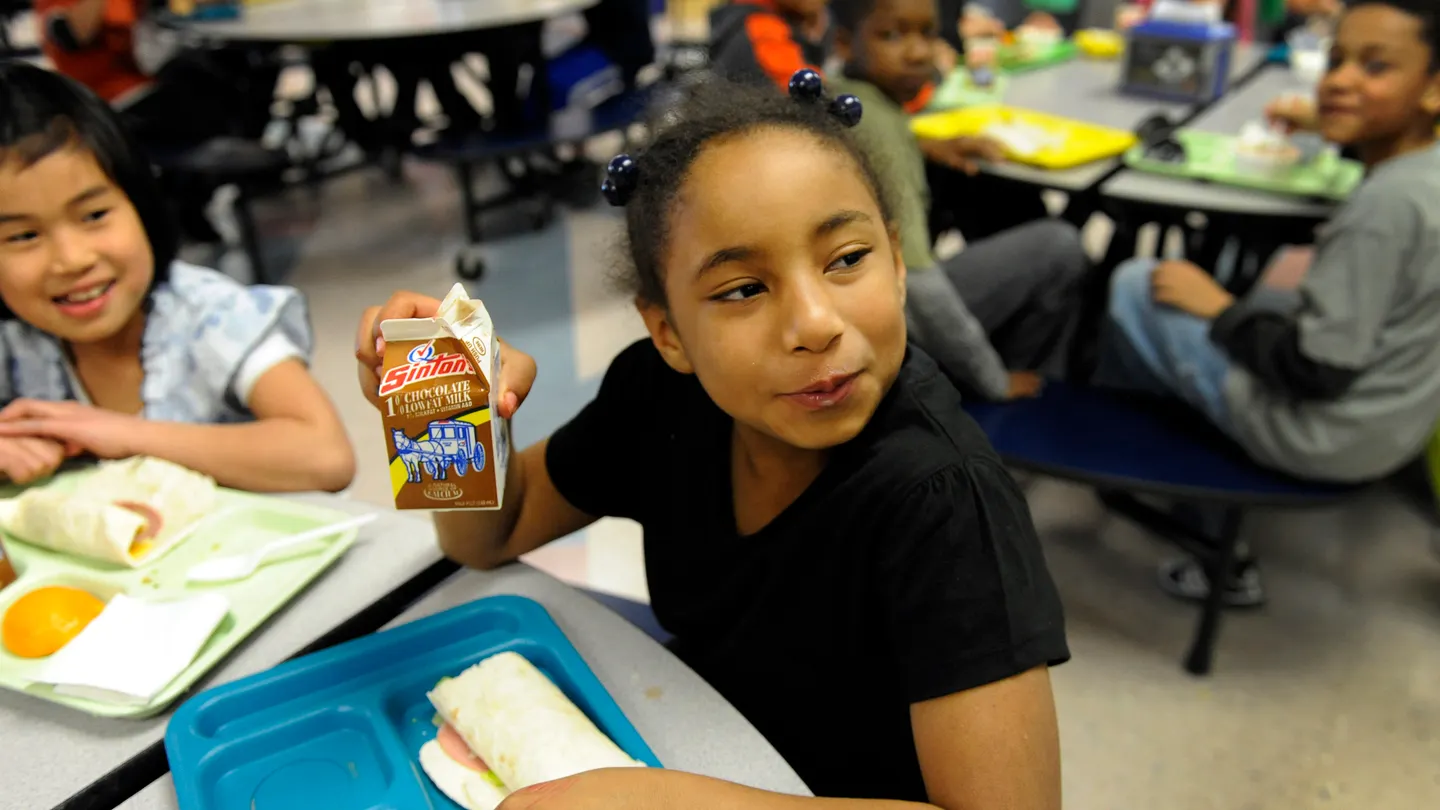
(110, 347)
(1021, 284)
(830, 538)
(1344, 384)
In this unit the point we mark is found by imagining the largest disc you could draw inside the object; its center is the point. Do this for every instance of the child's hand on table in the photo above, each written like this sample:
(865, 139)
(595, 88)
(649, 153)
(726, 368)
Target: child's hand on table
(1188, 288)
(963, 154)
(1293, 113)
(76, 427)
(517, 369)
(24, 459)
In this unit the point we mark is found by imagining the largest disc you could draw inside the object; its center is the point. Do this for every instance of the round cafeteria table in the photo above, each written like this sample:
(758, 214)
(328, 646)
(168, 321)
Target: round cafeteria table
(1089, 90)
(290, 21)
(1228, 116)
(685, 721)
(49, 753)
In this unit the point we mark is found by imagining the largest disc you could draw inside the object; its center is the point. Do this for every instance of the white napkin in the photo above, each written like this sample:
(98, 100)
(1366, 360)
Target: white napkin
(134, 649)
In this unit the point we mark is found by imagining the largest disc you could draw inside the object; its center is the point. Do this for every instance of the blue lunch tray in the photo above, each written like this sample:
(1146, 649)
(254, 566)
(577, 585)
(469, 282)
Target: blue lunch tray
(341, 729)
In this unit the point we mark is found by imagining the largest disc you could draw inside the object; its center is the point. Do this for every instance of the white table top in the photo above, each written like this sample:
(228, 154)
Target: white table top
(327, 20)
(1088, 90)
(1228, 116)
(49, 752)
(685, 721)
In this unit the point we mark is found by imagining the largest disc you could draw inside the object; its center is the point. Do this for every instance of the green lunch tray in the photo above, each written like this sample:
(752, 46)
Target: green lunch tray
(1209, 157)
(957, 91)
(1010, 60)
(240, 523)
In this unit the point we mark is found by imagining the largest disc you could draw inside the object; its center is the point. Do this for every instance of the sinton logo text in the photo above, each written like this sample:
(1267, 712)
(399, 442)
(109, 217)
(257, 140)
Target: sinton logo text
(422, 363)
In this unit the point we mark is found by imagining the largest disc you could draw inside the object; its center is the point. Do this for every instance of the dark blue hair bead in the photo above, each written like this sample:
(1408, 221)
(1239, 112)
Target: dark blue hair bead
(848, 109)
(621, 176)
(806, 85)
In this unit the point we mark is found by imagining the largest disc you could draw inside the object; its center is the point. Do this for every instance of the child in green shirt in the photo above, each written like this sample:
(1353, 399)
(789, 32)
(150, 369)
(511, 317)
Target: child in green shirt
(1000, 310)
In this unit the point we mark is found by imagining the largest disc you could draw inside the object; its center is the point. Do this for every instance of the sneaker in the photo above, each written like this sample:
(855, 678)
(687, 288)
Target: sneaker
(1186, 579)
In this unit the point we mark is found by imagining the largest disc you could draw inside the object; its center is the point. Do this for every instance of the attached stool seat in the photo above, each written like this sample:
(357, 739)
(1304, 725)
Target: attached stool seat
(1126, 446)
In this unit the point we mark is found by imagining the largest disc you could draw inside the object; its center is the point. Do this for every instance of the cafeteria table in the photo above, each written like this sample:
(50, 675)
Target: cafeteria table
(52, 756)
(291, 21)
(688, 725)
(1089, 90)
(1227, 116)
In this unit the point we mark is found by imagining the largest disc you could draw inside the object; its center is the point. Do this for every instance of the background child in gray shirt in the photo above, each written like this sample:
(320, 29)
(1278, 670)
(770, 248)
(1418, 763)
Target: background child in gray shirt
(1344, 386)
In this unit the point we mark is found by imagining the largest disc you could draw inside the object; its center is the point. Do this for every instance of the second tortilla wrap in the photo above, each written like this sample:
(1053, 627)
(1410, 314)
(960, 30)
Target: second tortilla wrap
(92, 520)
(522, 725)
(85, 528)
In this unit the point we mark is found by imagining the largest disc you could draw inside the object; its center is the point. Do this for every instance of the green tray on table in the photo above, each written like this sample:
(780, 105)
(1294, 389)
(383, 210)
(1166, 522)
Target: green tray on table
(1209, 157)
(240, 522)
(957, 91)
(1012, 59)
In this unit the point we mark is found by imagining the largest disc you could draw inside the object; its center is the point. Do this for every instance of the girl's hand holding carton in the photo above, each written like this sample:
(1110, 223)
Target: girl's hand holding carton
(444, 404)
(517, 369)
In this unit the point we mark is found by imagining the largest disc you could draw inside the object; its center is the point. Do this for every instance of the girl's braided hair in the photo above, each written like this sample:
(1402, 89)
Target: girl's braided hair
(706, 113)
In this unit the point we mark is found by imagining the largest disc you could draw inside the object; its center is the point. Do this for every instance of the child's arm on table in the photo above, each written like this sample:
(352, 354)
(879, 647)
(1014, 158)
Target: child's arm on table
(963, 154)
(296, 442)
(993, 746)
(534, 512)
(978, 750)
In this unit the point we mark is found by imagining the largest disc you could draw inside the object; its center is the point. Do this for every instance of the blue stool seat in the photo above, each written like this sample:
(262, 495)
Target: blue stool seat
(1127, 446)
(1135, 444)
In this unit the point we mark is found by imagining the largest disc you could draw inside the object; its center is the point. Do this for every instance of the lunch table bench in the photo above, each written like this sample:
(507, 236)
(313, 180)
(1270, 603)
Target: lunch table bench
(1131, 447)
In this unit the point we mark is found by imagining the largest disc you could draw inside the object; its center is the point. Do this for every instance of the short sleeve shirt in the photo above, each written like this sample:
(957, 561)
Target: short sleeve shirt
(907, 571)
(208, 339)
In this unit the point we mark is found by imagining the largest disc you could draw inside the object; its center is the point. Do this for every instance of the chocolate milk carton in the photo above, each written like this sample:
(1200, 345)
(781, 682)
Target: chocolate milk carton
(449, 448)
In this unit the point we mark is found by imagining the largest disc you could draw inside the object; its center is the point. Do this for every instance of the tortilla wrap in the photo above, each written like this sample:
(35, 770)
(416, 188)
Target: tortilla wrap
(522, 725)
(465, 787)
(111, 514)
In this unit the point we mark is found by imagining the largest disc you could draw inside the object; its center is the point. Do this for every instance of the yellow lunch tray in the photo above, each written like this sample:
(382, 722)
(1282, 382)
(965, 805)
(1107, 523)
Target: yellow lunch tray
(1079, 142)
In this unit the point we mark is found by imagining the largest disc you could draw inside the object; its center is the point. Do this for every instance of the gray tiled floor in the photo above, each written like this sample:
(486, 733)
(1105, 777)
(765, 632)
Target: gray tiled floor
(1328, 698)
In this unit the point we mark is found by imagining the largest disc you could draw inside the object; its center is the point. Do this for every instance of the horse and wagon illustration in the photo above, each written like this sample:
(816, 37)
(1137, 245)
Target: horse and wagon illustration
(451, 443)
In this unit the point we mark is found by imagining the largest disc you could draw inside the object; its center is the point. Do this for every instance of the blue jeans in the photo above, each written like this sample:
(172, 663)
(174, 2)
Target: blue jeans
(1154, 349)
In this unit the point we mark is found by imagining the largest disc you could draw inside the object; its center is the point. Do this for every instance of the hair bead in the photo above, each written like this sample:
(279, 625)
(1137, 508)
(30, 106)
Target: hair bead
(621, 177)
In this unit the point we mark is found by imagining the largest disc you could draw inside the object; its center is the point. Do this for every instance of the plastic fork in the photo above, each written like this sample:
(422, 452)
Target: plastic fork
(240, 566)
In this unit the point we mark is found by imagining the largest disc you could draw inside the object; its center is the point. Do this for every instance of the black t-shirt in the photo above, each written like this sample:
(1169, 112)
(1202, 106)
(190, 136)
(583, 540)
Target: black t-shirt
(907, 571)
